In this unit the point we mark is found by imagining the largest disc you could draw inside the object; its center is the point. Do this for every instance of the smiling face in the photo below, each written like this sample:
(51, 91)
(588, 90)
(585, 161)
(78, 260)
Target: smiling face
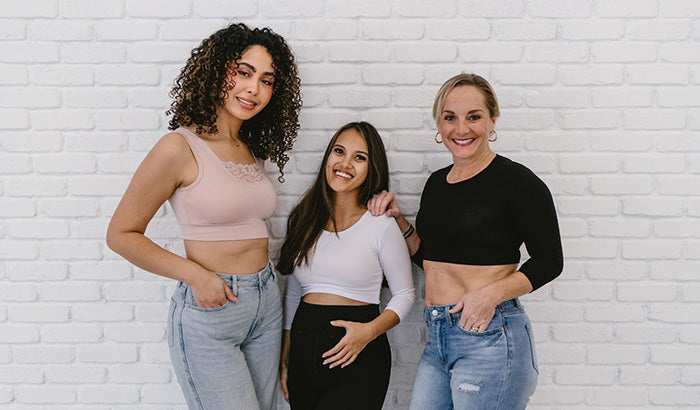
(252, 78)
(465, 124)
(348, 163)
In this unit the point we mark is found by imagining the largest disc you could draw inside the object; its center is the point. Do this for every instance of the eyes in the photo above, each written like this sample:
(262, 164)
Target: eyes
(471, 117)
(358, 157)
(268, 81)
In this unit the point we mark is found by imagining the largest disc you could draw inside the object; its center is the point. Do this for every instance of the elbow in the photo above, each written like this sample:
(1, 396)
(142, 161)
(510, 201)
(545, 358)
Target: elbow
(115, 240)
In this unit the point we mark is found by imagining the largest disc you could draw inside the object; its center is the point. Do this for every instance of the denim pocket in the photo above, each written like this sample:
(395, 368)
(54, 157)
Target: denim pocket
(533, 354)
(190, 303)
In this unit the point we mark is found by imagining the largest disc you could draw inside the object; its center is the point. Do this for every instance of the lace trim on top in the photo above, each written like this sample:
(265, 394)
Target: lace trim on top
(245, 172)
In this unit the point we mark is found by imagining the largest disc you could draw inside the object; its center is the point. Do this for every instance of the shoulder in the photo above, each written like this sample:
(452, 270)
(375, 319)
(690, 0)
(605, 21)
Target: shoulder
(520, 177)
(379, 225)
(171, 152)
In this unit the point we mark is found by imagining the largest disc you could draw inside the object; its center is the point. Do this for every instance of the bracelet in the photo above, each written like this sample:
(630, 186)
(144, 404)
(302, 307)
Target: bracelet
(409, 231)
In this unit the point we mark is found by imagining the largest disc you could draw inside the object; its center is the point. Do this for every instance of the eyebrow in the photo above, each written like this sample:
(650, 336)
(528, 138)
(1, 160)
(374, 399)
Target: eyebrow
(471, 111)
(341, 146)
(253, 69)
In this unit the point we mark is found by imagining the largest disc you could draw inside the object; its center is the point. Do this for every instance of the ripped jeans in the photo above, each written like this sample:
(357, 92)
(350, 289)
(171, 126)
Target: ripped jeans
(494, 369)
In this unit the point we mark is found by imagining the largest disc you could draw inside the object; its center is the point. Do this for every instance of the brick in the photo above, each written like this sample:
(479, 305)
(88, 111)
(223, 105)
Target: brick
(589, 164)
(160, 52)
(582, 291)
(589, 375)
(152, 312)
(618, 354)
(43, 354)
(616, 396)
(380, 74)
(646, 291)
(674, 396)
(630, 141)
(18, 292)
(619, 228)
(14, 374)
(524, 30)
(617, 313)
(218, 8)
(674, 313)
(592, 75)
(677, 185)
(128, 30)
(94, 98)
(55, 74)
(59, 30)
(107, 353)
(425, 52)
(394, 119)
(15, 164)
(557, 354)
(558, 98)
(133, 291)
(71, 333)
(108, 394)
(359, 8)
(678, 143)
(170, 394)
(41, 313)
(110, 312)
(14, 119)
(69, 292)
(139, 374)
(648, 375)
(460, 30)
(588, 29)
(96, 142)
(127, 75)
(554, 53)
(71, 250)
(588, 206)
(566, 186)
(681, 355)
(652, 206)
(677, 228)
(18, 250)
(564, 313)
(615, 185)
(14, 52)
(127, 119)
(531, 119)
(13, 333)
(658, 30)
(412, 97)
(654, 165)
(358, 98)
(656, 249)
(506, 52)
(628, 8)
(87, 53)
(44, 394)
(39, 8)
(622, 97)
(12, 75)
(61, 207)
(155, 353)
(530, 74)
(33, 271)
(134, 332)
(68, 120)
(30, 98)
(679, 52)
(624, 52)
(157, 8)
(658, 73)
(487, 8)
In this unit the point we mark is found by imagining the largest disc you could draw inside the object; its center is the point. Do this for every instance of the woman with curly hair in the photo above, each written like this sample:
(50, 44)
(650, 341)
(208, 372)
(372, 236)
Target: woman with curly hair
(236, 103)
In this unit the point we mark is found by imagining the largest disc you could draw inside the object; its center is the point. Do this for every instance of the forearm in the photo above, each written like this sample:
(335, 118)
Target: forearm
(512, 286)
(146, 254)
(382, 323)
(413, 241)
(286, 345)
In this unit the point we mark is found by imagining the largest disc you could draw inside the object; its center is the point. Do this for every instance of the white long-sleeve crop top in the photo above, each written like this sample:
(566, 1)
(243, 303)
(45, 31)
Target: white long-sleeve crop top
(352, 265)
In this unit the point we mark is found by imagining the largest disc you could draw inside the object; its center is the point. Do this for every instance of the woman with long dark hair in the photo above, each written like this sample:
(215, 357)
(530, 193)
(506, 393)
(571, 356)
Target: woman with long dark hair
(236, 103)
(336, 355)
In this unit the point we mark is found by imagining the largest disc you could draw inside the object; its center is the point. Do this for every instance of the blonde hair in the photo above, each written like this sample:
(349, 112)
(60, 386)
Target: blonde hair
(464, 79)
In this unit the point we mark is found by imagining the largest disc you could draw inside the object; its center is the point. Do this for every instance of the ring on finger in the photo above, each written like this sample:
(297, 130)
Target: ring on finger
(475, 329)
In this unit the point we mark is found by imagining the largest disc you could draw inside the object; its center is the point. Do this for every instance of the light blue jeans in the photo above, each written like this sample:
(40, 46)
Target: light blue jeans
(227, 357)
(494, 369)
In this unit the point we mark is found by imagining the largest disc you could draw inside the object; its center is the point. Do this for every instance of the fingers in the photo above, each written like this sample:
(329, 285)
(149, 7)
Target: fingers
(458, 307)
(229, 294)
(379, 203)
(283, 384)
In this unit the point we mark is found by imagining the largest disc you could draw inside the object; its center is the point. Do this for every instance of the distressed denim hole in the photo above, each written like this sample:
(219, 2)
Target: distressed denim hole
(468, 387)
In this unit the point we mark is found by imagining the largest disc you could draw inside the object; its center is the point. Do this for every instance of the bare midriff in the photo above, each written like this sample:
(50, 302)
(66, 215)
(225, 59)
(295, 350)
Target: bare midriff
(240, 257)
(446, 283)
(328, 299)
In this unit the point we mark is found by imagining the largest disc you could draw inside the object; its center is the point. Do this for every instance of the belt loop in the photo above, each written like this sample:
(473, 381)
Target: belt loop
(234, 285)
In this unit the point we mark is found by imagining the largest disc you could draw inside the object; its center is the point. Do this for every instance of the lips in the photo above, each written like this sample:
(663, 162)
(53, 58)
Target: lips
(341, 174)
(247, 104)
(463, 142)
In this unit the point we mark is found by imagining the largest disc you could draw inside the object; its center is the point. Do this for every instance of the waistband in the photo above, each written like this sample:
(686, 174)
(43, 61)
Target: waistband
(442, 312)
(317, 318)
(252, 280)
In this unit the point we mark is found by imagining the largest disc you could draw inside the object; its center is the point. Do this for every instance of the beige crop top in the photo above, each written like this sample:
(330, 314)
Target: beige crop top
(227, 201)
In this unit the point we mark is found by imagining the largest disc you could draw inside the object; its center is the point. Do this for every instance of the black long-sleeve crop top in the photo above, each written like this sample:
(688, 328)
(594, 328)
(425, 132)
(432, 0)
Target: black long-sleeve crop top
(483, 221)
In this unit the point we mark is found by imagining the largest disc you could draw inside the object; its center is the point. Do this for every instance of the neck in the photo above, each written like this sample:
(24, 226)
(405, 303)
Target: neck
(228, 126)
(346, 209)
(467, 168)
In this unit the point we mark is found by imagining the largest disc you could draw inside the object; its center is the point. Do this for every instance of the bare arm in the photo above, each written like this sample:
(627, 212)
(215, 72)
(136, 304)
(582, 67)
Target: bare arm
(155, 180)
(385, 202)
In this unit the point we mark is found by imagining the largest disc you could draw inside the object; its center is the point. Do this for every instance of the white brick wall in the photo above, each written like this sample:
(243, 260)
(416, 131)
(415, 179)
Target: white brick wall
(600, 98)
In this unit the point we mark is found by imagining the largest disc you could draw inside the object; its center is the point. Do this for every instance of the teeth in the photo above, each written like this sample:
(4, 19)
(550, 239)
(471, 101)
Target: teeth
(463, 142)
(343, 174)
(245, 102)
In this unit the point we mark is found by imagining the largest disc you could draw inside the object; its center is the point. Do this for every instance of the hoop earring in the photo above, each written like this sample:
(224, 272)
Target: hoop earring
(495, 136)
(437, 134)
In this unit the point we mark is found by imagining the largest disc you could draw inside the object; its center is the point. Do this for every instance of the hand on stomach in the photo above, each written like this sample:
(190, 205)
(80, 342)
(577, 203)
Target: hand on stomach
(446, 283)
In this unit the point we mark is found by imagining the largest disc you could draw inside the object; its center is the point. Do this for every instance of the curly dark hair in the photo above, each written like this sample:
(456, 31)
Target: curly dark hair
(201, 88)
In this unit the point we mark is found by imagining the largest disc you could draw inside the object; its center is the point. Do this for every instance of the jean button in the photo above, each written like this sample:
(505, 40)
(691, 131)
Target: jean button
(434, 312)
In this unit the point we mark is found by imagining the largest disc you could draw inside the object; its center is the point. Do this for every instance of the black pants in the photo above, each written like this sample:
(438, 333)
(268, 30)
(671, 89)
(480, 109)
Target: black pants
(313, 386)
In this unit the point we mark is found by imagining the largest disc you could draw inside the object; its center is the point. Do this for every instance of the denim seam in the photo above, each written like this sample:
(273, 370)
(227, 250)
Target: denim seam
(509, 346)
(186, 365)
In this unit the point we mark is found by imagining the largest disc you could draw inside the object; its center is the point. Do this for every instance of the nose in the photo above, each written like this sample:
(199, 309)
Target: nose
(253, 87)
(462, 127)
